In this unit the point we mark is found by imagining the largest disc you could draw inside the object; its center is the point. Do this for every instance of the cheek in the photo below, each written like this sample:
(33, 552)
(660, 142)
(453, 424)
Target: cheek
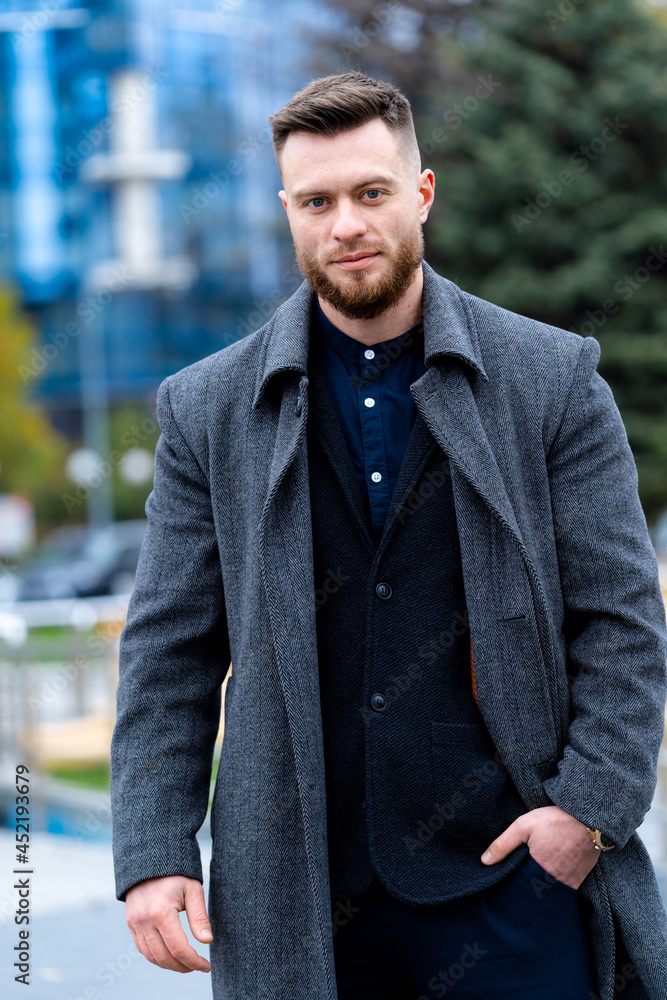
(311, 237)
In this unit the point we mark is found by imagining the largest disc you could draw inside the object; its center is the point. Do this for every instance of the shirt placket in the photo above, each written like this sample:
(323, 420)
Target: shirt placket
(372, 435)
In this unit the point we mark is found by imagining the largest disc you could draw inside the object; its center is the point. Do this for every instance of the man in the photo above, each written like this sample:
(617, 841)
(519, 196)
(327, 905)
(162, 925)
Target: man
(410, 519)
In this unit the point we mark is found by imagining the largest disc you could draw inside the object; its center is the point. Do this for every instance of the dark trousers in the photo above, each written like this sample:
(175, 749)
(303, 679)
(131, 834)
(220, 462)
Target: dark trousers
(525, 938)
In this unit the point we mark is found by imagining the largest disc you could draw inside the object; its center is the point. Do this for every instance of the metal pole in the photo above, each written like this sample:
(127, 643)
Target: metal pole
(95, 416)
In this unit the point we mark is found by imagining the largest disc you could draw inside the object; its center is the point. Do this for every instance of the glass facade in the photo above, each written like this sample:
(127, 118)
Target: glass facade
(138, 188)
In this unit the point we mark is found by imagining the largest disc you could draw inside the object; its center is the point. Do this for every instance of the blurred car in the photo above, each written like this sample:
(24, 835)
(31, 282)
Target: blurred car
(80, 562)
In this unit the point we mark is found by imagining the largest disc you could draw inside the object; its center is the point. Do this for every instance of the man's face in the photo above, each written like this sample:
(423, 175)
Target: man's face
(355, 207)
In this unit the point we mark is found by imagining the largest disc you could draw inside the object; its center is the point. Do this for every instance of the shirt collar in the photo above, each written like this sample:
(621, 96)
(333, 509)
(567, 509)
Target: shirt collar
(450, 330)
(330, 336)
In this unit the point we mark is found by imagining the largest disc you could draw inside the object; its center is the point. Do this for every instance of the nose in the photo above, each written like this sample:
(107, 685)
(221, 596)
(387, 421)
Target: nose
(348, 223)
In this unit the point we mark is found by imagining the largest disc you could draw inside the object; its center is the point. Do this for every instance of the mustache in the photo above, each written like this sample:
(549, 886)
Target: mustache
(356, 251)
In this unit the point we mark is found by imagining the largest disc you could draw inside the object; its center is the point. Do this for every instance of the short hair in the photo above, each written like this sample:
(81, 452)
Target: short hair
(337, 103)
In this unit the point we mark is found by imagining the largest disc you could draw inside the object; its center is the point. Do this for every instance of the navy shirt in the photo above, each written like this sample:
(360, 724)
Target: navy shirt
(370, 391)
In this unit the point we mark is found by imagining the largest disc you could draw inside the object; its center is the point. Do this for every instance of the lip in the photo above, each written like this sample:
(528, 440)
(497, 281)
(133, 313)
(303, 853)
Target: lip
(355, 263)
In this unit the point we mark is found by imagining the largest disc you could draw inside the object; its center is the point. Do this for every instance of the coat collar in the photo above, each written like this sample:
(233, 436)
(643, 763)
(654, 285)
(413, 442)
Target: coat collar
(448, 330)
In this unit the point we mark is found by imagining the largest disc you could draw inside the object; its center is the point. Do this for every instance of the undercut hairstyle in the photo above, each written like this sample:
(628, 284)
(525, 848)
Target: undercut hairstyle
(333, 104)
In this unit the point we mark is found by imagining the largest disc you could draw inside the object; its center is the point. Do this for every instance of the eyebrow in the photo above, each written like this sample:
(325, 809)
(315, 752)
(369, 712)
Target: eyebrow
(378, 179)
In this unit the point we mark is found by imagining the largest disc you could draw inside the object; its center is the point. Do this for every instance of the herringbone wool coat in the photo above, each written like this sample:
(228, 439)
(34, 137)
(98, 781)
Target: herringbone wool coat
(566, 620)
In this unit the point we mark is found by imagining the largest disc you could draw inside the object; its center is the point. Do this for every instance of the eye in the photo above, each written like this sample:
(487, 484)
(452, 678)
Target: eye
(371, 192)
(313, 200)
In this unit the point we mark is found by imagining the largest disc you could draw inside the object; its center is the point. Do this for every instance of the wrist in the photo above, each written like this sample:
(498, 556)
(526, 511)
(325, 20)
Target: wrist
(599, 840)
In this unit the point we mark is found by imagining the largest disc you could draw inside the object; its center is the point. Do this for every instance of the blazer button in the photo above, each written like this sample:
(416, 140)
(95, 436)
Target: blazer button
(378, 702)
(297, 408)
(383, 590)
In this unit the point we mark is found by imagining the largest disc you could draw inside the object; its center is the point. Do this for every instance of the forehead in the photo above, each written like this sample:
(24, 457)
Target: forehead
(341, 161)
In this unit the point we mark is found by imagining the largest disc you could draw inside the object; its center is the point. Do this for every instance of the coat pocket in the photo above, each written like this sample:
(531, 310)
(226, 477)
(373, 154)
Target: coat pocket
(474, 793)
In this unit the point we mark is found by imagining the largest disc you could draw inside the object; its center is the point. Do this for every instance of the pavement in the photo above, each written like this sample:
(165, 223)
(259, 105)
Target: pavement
(81, 946)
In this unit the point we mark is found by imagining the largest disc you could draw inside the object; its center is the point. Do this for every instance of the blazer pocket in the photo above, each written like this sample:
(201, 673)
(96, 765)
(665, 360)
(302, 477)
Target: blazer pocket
(474, 794)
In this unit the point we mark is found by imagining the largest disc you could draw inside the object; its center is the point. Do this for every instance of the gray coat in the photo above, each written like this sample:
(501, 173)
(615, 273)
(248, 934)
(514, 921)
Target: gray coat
(566, 617)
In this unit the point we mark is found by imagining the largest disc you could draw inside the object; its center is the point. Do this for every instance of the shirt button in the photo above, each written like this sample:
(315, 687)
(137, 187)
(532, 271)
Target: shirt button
(376, 477)
(369, 401)
(378, 702)
(383, 590)
(369, 354)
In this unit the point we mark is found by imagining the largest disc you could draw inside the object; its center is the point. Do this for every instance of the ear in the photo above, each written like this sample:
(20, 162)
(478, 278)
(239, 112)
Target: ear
(426, 193)
(283, 198)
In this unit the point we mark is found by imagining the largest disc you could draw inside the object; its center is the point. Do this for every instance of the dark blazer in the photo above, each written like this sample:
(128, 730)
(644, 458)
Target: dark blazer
(556, 561)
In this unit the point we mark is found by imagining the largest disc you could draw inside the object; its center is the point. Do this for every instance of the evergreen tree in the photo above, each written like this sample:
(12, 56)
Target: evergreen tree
(545, 125)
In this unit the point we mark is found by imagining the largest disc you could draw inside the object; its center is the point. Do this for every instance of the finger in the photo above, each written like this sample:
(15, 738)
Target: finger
(164, 956)
(177, 943)
(508, 841)
(145, 948)
(139, 942)
(195, 908)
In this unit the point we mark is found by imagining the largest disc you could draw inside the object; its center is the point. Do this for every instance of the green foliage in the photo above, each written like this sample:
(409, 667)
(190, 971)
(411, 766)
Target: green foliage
(31, 452)
(82, 775)
(131, 426)
(545, 127)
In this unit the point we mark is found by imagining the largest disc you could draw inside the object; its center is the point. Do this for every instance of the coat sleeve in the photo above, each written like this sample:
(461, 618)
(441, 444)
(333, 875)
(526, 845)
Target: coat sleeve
(174, 654)
(614, 613)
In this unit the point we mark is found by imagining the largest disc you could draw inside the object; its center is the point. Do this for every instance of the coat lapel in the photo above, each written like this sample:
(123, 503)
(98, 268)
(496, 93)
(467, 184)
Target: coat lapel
(445, 397)
(287, 571)
(503, 588)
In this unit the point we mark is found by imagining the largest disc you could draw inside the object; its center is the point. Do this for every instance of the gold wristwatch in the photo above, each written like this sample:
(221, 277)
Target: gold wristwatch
(600, 842)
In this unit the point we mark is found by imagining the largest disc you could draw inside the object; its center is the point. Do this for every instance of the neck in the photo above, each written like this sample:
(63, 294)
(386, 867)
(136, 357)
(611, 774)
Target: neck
(391, 323)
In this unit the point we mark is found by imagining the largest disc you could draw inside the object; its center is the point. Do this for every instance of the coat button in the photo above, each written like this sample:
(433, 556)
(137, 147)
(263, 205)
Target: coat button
(384, 591)
(378, 702)
(297, 408)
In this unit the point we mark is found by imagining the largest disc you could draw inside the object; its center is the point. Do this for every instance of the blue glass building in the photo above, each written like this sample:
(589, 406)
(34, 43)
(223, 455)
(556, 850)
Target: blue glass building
(136, 131)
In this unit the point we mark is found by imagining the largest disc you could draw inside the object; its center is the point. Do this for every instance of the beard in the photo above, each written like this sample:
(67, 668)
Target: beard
(365, 297)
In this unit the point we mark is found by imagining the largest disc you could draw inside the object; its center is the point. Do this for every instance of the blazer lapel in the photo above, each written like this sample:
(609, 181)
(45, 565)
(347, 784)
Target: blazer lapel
(326, 426)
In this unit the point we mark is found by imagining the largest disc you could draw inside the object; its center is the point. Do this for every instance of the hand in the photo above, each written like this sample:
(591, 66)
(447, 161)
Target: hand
(151, 913)
(559, 843)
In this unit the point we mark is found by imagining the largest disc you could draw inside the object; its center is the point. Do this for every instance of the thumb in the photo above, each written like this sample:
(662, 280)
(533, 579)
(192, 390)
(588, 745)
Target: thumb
(195, 908)
(508, 840)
